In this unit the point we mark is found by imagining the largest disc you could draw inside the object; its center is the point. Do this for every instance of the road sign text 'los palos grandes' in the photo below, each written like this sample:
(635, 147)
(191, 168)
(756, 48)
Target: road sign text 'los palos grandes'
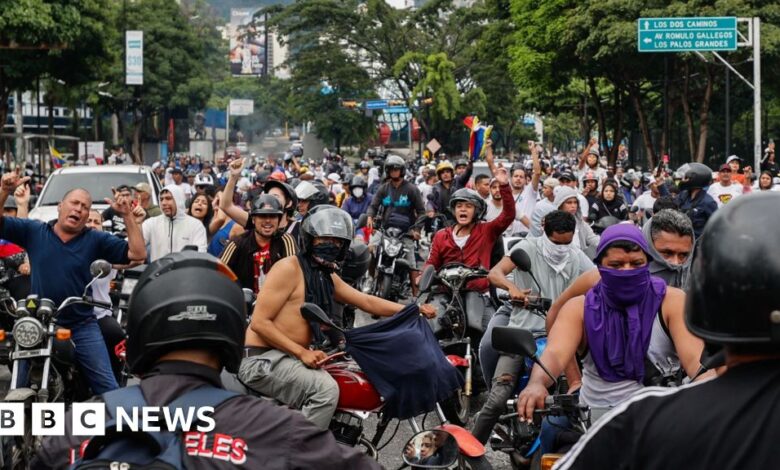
(687, 34)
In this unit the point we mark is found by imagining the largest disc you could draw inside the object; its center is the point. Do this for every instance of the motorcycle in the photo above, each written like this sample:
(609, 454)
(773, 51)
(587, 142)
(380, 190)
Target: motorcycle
(462, 319)
(352, 272)
(122, 287)
(391, 279)
(43, 352)
(358, 399)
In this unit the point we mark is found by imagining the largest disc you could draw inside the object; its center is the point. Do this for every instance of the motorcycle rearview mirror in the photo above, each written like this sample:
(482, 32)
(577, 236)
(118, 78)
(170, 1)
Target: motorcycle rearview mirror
(522, 261)
(431, 449)
(518, 341)
(426, 279)
(361, 221)
(100, 268)
(313, 313)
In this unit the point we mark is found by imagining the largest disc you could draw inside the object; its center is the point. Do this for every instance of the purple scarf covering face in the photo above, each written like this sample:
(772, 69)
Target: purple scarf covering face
(619, 315)
(619, 312)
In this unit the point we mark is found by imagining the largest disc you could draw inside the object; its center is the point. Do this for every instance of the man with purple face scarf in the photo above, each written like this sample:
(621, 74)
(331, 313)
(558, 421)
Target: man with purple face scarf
(628, 321)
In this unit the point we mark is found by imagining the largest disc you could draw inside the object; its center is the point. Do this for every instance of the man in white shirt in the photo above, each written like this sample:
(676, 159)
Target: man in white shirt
(646, 200)
(544, 206)
(525, 193)
(493, 202)
(724, 190)
(567, 179)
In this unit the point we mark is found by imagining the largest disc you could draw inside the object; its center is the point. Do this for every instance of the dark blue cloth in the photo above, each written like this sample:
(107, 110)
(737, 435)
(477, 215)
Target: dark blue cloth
(60, 270)
(403, 360)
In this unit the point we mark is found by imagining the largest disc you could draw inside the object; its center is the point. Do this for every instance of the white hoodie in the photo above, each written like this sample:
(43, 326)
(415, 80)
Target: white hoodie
(164, 235)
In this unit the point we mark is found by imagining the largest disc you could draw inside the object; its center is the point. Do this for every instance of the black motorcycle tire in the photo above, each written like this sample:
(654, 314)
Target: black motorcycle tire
(18, 451)
(385, 287)
(457, 408)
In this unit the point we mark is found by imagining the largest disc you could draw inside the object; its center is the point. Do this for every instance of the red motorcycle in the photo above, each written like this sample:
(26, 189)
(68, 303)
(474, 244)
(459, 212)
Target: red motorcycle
(358, 398)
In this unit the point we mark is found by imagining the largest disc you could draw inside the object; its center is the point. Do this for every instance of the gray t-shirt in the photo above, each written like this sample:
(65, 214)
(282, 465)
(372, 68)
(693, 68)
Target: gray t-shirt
(551, 282)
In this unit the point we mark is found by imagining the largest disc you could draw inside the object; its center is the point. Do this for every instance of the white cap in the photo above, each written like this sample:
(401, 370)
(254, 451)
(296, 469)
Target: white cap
(334, 177)
(732, 158)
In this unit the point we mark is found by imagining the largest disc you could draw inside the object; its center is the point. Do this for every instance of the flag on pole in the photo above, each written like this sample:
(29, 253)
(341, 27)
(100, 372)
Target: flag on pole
(56, 157)
(478, 136)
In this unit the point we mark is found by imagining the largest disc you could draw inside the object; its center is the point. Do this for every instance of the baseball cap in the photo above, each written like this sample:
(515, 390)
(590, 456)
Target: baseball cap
(334, 177)
(143, 187)
(177, 170)
(732, 158)
(123, 187)
(725, 167)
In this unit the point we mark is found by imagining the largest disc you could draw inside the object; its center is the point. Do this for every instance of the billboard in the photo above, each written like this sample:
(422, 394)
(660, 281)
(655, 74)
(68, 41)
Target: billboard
(248, 49)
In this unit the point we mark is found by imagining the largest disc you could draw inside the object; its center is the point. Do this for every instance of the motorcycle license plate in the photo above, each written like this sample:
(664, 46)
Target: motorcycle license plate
(26, 354)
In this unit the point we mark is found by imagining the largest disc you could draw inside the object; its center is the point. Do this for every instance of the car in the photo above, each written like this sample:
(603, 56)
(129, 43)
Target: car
(242, 147)
(98, 180)
(295, 135)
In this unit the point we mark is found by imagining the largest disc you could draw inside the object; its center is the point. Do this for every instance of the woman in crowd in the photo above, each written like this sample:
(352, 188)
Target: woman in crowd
(609, 203)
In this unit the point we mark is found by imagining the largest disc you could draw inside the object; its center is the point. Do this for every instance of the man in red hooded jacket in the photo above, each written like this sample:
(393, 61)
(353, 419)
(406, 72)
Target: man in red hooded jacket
(470, 241)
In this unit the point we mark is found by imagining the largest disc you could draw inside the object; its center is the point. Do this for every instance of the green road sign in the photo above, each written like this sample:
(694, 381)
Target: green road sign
(687, 34)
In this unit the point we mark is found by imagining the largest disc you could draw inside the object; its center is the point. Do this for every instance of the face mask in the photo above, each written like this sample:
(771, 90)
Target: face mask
(556, 255)
(357, 192)
(625, 287)
(326, 254)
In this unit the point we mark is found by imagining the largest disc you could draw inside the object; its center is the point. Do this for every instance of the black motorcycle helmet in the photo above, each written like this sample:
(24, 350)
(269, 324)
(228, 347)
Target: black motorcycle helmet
(185, 300)
(327, 221)
(289, 193)
(734, 294)
(473, 198)
(696, 176)
(265, 204)
(358, 182)
(356, 264)
(461, 162)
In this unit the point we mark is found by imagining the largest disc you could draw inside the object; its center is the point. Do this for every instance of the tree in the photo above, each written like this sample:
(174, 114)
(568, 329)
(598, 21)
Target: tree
(67, 40)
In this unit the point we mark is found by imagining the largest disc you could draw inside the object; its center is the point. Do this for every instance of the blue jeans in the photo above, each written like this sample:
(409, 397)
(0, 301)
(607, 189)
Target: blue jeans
(552, 427)
(91, 356)
(488, 357)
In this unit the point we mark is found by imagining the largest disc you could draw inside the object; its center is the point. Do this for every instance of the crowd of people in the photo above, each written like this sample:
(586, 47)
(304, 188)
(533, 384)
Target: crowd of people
(611, 245)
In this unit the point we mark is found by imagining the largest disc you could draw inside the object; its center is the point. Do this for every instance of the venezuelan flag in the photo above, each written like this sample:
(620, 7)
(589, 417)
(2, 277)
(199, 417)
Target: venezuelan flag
(478, 135)
(56, 157)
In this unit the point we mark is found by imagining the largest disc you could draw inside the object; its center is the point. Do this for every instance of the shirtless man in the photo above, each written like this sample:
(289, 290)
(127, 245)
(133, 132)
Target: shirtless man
(277, 359)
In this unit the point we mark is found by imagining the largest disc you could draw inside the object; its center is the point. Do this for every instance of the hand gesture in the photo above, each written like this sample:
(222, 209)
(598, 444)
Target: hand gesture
(236, 167)
(370, 223)
(139, 214)
(11, 181)
(428, 311)
(501, 176)
(22, 195)
(311, 359)
(532, 146)
(120, 204)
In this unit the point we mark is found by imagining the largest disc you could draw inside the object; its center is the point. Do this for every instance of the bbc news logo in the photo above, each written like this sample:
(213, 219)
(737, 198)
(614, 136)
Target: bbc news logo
(89, 419)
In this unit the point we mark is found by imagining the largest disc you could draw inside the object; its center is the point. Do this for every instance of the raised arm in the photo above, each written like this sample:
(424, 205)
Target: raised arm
(537, 166)
(9, 183)
(226, 201)
(22, 199)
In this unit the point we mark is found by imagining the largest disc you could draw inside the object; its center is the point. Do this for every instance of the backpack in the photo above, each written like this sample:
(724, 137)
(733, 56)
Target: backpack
(161, 450)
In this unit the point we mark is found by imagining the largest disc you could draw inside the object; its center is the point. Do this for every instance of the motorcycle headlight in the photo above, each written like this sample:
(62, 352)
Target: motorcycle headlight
(128, 285)
(392, 247)
(28, 332)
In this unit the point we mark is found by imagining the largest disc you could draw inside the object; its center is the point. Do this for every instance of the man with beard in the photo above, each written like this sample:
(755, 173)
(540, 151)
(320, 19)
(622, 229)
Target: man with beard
(277, 359)
(524, 193)
(252, 254)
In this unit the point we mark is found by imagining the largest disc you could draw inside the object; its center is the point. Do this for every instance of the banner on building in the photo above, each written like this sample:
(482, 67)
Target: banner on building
(134, 57)
(248, 48)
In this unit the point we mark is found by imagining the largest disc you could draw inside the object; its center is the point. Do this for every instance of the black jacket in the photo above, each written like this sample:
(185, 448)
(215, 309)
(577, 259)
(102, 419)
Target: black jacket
(400, 207)
(727, 423)
(274, 437)
(238, 254)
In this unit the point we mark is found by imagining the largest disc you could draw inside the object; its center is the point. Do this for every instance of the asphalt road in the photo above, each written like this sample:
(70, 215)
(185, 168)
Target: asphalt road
(390, 455)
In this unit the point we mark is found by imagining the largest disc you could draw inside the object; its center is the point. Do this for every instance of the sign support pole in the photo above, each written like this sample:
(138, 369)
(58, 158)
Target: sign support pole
(757, 94)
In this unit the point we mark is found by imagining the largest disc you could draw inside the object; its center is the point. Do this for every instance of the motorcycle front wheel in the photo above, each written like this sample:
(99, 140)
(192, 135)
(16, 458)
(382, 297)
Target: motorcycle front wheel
(18, 451)
(457, 408)
(385, 287)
